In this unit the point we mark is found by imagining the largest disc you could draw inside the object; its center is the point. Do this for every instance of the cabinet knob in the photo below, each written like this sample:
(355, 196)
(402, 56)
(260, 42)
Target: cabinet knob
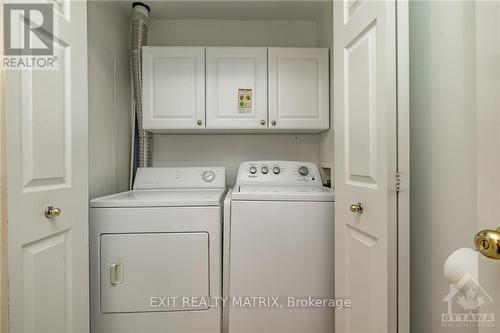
(273, 122)
(199, 122)
(262, 122)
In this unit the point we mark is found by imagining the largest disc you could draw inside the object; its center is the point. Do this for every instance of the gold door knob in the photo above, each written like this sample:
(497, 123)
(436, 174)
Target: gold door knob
(488, 243)
(357, 208)
(51, 212)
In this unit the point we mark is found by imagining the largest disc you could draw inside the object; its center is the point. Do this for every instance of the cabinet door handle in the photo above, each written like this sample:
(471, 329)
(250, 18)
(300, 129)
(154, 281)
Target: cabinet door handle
(273, 122)
(199, 122)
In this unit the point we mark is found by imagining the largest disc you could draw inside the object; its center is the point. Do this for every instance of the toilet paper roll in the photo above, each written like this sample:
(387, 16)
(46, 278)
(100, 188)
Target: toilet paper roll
(461, 268)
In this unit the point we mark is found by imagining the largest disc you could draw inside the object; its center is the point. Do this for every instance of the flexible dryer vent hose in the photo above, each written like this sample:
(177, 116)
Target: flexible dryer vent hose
(139, 38)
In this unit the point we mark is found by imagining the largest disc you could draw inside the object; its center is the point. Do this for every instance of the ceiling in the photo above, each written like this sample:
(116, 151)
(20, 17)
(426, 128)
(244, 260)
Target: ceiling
(235, 9)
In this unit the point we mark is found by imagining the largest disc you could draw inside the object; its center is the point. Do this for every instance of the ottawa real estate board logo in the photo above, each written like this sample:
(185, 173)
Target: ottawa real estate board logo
(464, 301)
(28, 36)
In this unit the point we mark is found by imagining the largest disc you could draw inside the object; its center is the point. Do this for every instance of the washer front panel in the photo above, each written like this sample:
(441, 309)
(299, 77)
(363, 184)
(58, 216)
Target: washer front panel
(281, 249)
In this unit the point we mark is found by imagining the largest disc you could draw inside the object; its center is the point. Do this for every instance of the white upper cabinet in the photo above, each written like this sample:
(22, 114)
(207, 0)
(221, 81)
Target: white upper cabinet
(236, 87)
(298, 88)
(174, 87)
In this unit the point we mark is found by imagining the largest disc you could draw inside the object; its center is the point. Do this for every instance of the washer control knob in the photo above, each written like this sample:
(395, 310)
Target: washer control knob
(208, 176)
(276, 170)
(303, 171)
(264, 169)
(253, 170)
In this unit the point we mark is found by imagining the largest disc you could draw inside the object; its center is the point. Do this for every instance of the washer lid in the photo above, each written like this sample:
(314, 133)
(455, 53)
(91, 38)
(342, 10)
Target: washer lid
(283, 193)
(161, 198)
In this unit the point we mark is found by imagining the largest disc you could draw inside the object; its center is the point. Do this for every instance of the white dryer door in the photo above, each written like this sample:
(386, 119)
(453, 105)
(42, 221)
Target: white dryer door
(139, 270)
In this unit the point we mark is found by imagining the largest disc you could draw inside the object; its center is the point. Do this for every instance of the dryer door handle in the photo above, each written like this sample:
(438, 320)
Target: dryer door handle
(116, 273)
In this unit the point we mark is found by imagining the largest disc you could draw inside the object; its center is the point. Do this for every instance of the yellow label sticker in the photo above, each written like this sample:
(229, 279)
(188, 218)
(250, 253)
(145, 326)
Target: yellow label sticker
(244, 100)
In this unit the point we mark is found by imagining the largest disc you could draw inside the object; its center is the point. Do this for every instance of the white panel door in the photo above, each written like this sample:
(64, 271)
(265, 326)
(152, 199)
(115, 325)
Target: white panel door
(299, 88)
(47, 144)
(237, 87)
(174, 87)
(365, 148)
(485, 154)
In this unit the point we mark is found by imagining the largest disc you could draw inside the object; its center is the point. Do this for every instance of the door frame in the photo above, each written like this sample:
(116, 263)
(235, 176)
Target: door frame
(4, 291)
(403, 164)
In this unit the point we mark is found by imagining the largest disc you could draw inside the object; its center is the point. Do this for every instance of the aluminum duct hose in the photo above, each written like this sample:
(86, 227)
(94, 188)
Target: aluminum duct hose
(139, 38)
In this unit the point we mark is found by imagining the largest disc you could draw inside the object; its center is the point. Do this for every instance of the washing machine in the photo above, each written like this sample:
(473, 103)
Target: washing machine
(156, 253)
(279, 241)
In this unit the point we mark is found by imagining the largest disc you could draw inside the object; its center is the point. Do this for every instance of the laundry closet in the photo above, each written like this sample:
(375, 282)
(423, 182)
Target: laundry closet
(229, 89)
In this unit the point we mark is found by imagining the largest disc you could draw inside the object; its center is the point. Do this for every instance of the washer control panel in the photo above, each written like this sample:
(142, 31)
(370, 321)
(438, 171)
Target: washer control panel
(279, 173)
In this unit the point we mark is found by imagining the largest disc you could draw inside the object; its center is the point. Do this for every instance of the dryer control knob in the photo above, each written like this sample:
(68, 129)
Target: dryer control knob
(276, 170)
(303, 171)
(208, 176)
(253, 170)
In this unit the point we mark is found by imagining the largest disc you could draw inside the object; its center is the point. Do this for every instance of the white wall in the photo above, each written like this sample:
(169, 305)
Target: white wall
(109, 97)
(231, 149)
(232, 33)
(325, 139)
(454, 119)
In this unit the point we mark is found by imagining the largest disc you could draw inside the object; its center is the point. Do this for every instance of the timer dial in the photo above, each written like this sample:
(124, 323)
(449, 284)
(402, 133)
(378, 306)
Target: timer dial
(208, 176)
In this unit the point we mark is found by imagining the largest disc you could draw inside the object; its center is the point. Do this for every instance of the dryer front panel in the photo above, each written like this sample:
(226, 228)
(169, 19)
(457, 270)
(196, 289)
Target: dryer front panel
(146, 272)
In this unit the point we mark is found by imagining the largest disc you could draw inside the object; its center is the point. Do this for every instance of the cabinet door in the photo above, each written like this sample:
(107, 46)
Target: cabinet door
(237, 87)
(298, 88)
(174, 87)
